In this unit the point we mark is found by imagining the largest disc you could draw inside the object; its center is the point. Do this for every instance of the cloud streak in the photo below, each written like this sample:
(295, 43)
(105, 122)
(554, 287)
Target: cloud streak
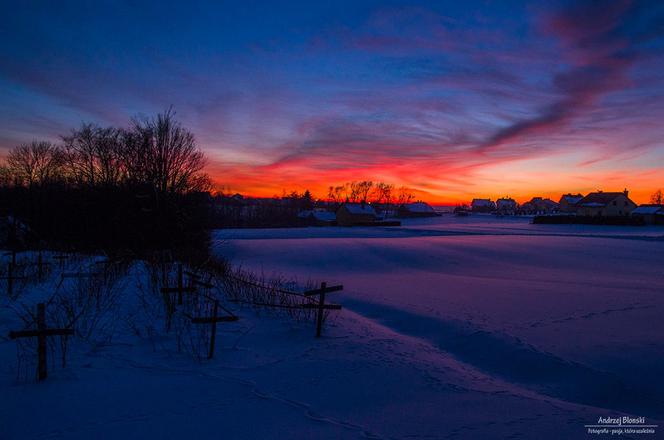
(437, 97)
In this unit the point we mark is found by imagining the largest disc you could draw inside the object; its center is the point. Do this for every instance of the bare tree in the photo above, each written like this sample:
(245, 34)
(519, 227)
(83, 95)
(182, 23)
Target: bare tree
(93, 155)
(359, 191)
(34, 163)
(80, 154)
(404, 195)
(382, 193)
(657, 198)
(6, 178)
(164, 154)
(337, 194)
(108, 152)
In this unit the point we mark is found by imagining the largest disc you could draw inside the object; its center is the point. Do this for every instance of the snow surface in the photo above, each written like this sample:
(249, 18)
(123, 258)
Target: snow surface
(473, 327)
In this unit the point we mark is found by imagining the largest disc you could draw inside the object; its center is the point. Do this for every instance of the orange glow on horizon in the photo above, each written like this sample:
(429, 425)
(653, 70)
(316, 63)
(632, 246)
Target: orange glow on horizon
(445, 190)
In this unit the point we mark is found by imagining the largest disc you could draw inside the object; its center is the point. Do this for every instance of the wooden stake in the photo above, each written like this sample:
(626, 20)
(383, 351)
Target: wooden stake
(41, 341)
(10, 279)
(40, 266)
(321, 306)
(41, 334)
(321, 303)
(213, 320)
(213, 333)
(180, 284)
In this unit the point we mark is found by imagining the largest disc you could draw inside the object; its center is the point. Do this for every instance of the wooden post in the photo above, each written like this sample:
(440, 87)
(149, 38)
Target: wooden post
(213, 320)
(321, 306)
(321, 303)
(213, 333)
(40, 266)
(180, 284)
(61, 259)
(10, 279)
(41, 341)
(41, 334)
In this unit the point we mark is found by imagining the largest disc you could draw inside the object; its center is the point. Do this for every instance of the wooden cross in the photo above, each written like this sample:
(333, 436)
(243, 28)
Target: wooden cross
(61, 258)
(195, 280)
(10, 279)
(180, 289)
(321, 306)
(41, 334)
(40, 266)
(213, 320)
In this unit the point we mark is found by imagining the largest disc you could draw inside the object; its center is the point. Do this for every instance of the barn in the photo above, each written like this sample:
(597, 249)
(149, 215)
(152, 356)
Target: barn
(417, 209)
(353, 214)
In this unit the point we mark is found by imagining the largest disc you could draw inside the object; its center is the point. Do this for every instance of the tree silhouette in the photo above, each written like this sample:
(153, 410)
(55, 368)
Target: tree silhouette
(164, 154)
(34, 163)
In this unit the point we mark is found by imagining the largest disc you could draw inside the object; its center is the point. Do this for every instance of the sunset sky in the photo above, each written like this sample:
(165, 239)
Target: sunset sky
(455, 99)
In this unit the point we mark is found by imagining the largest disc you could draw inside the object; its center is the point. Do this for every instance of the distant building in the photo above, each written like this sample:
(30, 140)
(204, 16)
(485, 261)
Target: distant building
(482, 205)
(539, 206)
(318, 217)
(568, 202)
(350, 214)
(651, 214)
(506, 206)
(417, 209)
(605, 204)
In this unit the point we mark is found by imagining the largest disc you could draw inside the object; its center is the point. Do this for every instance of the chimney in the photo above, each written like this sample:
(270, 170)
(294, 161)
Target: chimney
(626, 192)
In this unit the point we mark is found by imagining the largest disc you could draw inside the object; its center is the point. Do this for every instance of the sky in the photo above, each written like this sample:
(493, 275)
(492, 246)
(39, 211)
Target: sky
(452, 99)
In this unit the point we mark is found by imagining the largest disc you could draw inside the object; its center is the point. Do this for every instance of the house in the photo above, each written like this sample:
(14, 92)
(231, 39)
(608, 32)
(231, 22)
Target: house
(352, 214)
(605, 204)
(568, 202)
(506, 206)
(482, 205)
(318, 217)
(650, 214)
(539, 206)
(417, 209)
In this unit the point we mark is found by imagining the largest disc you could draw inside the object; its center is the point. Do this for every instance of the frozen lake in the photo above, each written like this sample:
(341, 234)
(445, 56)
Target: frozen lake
(569, 311)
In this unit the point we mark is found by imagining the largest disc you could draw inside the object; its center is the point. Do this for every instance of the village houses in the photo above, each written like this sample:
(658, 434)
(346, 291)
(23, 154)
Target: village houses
(539, 206)
(567, 203)
(506, 206)
(605, 204)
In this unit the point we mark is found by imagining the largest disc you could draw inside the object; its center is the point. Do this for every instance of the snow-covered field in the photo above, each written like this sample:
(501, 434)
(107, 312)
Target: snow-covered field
(467, 328)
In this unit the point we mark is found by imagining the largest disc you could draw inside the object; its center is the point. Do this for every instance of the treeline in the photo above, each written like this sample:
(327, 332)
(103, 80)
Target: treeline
(235, 211)
(275, 212)
(107, 188)
(367, 191)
